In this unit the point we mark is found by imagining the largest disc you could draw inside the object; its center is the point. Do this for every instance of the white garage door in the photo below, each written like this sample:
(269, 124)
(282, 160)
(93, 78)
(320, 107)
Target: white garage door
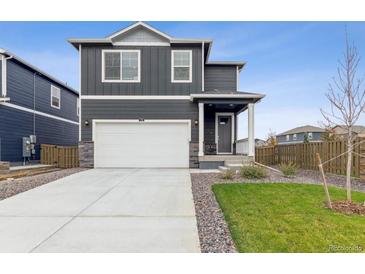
(141, 144)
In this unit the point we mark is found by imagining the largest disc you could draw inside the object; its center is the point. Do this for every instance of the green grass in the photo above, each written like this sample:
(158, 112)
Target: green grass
(278, 217)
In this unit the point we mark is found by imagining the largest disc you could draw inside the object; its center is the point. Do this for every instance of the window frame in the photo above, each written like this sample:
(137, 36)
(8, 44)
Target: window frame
(287, 137)
(59, 98)
(294, 137)
(190, 80)
(78, 107)
(120, 51)
(310, 135)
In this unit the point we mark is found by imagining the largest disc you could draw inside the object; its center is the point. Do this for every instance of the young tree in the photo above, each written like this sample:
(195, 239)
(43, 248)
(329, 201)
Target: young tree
(347, 99)
(271, 138)
(329, 134)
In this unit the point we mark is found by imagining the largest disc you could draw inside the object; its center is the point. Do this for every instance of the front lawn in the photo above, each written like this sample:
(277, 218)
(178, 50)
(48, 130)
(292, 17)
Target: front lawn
(282, 217)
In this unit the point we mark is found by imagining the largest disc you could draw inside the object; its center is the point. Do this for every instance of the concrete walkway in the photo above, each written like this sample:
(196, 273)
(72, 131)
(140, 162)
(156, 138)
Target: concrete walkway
(103, 210)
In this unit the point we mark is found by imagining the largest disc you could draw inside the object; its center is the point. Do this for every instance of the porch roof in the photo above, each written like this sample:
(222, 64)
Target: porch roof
(238, 96)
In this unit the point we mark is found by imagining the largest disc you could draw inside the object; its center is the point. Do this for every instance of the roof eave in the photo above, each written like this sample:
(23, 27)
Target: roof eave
(41, 72)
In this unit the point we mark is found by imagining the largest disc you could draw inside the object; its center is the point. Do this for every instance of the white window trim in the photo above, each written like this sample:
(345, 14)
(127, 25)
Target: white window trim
(294, 136)
(78, 107)
(121, 70)
(287, 137)
(59, 98)
(190, 67)
(310, 135)
(217, 115)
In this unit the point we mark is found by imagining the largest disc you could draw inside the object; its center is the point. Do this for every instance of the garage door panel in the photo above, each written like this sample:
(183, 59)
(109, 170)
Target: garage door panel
(141, 144)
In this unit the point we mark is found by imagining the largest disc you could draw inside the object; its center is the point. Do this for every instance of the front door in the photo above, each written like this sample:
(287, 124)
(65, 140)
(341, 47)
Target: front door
(224, 134)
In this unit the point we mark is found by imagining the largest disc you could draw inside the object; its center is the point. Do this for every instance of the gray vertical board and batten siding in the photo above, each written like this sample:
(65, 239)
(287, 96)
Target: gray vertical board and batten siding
(1, 75)
(135, 109)
(155, 72)
(222, 78)
(20, 92)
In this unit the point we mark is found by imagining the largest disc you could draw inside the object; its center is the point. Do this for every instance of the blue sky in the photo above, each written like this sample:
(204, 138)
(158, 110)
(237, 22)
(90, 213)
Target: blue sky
(291, 62)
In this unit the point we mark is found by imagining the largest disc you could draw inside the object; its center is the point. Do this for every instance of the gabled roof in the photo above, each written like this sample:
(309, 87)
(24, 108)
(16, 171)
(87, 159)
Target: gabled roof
(34, 68)
(138, 24)
(303, 129)
(357, 129)
(109, 39)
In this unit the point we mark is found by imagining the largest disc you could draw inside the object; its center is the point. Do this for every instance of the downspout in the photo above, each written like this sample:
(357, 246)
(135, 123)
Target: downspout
(203, 68)
(34, 79)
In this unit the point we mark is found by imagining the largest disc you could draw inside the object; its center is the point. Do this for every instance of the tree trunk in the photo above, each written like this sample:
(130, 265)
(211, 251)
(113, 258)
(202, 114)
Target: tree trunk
(348, 169)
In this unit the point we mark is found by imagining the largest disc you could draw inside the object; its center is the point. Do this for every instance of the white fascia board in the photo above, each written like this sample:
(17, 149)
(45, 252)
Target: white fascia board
(38, 113)
(226, 96)
(4, 99)
(134, 97)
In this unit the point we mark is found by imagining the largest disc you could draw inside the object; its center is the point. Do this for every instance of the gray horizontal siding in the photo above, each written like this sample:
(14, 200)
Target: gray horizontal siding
(135, 109)
(300, 138)
(20, 91)
(16, 124)
(220, 78)
(155, 73)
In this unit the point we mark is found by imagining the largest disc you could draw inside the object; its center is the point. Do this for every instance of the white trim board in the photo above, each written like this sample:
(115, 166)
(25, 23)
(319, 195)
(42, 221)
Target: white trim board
(232, 129)
(38, 112)
(133, 97)
(136, 121)
(3, 75)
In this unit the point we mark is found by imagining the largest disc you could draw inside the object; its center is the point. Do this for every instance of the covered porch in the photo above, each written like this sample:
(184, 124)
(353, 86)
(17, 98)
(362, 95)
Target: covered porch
(218, 127)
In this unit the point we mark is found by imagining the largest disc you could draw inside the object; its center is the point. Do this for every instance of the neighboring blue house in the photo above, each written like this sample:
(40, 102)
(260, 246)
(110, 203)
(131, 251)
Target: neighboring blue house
(34, 103)
(298, 135)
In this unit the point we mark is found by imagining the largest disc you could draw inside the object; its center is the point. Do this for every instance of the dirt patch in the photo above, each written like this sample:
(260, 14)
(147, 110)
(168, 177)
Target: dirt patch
(347, 207)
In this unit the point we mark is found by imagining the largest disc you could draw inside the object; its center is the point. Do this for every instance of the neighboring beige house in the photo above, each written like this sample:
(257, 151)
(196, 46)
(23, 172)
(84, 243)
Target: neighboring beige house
(341, 131)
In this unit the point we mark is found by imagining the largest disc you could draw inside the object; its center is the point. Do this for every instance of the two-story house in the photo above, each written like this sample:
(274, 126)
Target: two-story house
(300, 135)
(152, 100)
(33, 103)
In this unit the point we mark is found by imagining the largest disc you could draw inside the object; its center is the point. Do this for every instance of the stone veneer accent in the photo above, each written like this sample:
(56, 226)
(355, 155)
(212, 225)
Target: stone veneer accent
(4, 167)
(193, 155)
(86, 154)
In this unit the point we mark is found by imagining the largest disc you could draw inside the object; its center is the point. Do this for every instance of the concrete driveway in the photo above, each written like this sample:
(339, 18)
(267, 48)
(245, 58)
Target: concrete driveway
(103, 210)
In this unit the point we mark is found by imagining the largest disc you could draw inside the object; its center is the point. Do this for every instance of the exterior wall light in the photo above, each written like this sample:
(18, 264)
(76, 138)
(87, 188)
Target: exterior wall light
(86, 122)
(196, 122)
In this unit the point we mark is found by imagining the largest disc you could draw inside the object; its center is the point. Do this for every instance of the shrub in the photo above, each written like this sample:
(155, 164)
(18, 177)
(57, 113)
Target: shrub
(252, 172)
(228, 174)
(289, 170)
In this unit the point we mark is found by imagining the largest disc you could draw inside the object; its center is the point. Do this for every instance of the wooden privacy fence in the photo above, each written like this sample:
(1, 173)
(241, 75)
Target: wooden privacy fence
(60, 156)
(304, 155)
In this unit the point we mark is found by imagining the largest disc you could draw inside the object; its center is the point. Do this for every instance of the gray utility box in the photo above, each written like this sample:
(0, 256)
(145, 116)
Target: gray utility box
(27, 148)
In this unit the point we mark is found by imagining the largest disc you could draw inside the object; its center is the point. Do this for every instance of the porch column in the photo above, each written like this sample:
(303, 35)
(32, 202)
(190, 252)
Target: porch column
(201, 129)
(251, 130)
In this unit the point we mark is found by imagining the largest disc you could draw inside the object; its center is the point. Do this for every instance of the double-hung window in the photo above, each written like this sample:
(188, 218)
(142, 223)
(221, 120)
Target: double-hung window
(121, 66)
(55, 97)
(181, 66)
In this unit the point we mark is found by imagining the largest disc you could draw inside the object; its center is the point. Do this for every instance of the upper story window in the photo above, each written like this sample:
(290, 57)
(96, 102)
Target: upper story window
(310, 135)
(287, 137)
(294, 136)
(121, 66)
(181, 66)
(55, 97)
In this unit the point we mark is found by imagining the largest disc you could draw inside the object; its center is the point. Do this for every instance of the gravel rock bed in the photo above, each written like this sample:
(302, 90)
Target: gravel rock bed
(213, 231)
(9, 188)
